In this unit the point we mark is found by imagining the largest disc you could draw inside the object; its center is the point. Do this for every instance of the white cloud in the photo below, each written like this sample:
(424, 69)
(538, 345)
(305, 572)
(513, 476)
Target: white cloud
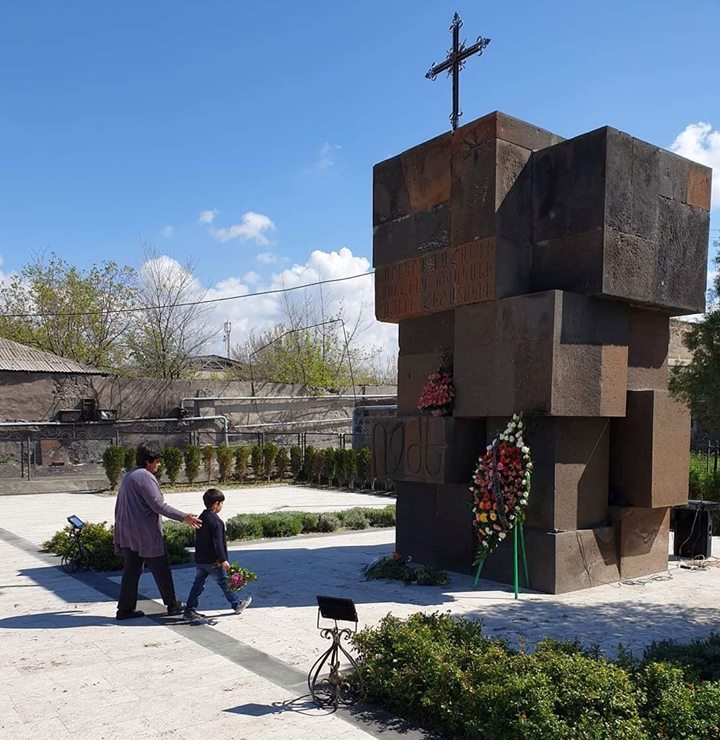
(254, 227)
(207, 217)
(167, 231)
(356, 297)
(701, 144)
(4, 276)
(267, 258)
(251, 277)
(327, 156)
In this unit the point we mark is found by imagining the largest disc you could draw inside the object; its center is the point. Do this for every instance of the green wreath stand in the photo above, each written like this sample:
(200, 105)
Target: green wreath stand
(518, 544)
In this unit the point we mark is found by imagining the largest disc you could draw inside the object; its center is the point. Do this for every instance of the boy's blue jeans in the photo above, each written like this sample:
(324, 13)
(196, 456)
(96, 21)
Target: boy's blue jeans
(203, 570)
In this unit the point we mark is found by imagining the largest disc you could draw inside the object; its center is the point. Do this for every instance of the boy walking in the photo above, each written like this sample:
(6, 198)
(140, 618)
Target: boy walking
(211, 557)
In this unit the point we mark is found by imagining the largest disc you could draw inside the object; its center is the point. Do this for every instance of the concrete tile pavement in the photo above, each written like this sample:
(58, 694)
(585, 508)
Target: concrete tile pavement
(72, 671)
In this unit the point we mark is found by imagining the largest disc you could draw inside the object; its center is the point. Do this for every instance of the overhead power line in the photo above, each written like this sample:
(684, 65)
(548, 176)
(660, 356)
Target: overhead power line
(204, 301)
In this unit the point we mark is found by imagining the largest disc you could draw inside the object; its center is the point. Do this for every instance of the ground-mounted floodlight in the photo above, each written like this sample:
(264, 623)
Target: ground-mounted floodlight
(337, 687)
(76, 556)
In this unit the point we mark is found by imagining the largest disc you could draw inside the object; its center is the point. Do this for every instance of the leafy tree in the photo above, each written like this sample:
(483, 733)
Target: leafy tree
(295, 460)
(269, 453)
(208, 456)
(77, 314)
(698, 384)
(281, 462)
(191, 453)
(113, 460)
(174, 326)
(242, 455)
(364, 466)
(225, 458)
(129, 458)
(256, 460)
(173, 459)
(308, 463)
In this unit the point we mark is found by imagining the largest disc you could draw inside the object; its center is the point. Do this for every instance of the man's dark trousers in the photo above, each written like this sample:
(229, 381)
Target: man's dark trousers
(159, 567)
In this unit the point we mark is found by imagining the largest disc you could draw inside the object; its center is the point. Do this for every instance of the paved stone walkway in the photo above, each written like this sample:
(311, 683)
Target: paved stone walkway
(71, 671)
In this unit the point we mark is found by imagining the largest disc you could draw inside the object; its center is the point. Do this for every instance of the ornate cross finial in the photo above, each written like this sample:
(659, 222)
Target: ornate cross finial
(454, 62)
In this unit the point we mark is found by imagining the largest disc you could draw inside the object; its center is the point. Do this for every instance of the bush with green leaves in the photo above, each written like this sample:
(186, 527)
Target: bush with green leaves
(129, 463)
(318, 466)
(281, 524)
(309, 520)
(113, 460)
(381, 517)
(242, 456)
(179, 533)
(208, 457)
(98, 539)
(244, 527)
(329, 467)
(364, 467)
(699, 660)
(328, 523)
(308, 463)
(256, 460)
(269, 453)
(281, 463)
(295, 460)
(225, 459)
(173, 459)
(356, 518)
(191, 453)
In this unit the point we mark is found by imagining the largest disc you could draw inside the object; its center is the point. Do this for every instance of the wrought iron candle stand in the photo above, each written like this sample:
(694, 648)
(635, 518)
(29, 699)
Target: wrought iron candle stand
(337, 687)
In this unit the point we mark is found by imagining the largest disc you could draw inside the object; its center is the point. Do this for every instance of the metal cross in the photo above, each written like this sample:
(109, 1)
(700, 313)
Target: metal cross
(454, 62)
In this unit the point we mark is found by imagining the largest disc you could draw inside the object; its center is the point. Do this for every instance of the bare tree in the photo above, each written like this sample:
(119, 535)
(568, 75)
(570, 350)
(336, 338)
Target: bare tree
(173, 326)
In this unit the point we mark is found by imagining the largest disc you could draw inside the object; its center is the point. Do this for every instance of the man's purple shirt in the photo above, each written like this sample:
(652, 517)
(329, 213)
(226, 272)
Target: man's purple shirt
(138, 509)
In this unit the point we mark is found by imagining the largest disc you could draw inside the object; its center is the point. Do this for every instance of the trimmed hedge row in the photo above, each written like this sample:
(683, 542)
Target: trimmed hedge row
(179, 536)
(442, 672)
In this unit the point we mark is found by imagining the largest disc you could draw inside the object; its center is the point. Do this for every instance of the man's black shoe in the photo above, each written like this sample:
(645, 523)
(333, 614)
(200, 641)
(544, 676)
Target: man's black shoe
(176, 610)
(129, 615)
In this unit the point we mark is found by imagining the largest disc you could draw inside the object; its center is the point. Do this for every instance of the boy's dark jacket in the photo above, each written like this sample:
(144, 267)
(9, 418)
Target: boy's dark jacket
(210, 539)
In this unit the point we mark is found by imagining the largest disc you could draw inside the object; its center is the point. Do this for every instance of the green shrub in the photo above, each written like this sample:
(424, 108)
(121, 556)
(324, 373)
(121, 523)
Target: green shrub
(269, 453)
(281, 524)
(173, 459)
(699, 659)
(244, 527)
(225, 459)
(97, 538)
(295, 460)
(129, 463)
(242, 456)
(395, 567)
(355, 518)
(329, 467)
(191, 453)
(318, 465)
(208, 456)
(256, 460)
(328, 523)
(113, 460)
(281, 462)
(179, 533)
(348, 466)
(308, 463)
(381, 517)
(159, 471)
(309, 521)
(364, 467)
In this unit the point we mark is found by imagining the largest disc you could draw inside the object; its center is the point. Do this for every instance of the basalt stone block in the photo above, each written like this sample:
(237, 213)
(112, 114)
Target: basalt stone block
(648, 350)
(570, 472)
(413, 235)
(436, 282)
(387, 445)
(643, 537)
(434, 525)
(560, 353)
(610, 218)
(559, 562)
(649, 452)
(500, 126)
(413, 181)
(413, 371)
(433, 333)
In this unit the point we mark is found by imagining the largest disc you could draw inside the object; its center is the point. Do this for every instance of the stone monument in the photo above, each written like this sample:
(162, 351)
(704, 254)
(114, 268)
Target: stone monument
(548, 269)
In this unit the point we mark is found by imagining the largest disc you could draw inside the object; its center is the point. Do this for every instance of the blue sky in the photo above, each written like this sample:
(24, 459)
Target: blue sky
(122, 123)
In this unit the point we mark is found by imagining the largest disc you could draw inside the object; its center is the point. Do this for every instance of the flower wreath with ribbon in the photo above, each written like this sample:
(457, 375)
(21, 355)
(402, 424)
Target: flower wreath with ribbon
(501, 486)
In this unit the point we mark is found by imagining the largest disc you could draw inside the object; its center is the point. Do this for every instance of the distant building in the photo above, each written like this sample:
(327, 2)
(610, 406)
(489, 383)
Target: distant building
(217, 367)
(678, 353)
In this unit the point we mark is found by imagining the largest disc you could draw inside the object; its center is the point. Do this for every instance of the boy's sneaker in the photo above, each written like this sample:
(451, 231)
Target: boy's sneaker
(176, 609)
(243, 605)
(192, 614)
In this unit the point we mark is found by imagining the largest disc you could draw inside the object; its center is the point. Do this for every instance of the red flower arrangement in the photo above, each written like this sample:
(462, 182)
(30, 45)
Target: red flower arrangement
(501, 486)
(438, 393)
(239, 577)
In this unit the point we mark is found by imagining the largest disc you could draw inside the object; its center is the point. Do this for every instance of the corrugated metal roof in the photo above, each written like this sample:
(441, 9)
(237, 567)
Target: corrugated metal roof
(16, 357)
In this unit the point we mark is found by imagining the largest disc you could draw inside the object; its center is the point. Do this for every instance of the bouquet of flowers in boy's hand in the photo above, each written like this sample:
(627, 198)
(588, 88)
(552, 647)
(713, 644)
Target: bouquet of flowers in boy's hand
(238, 577)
